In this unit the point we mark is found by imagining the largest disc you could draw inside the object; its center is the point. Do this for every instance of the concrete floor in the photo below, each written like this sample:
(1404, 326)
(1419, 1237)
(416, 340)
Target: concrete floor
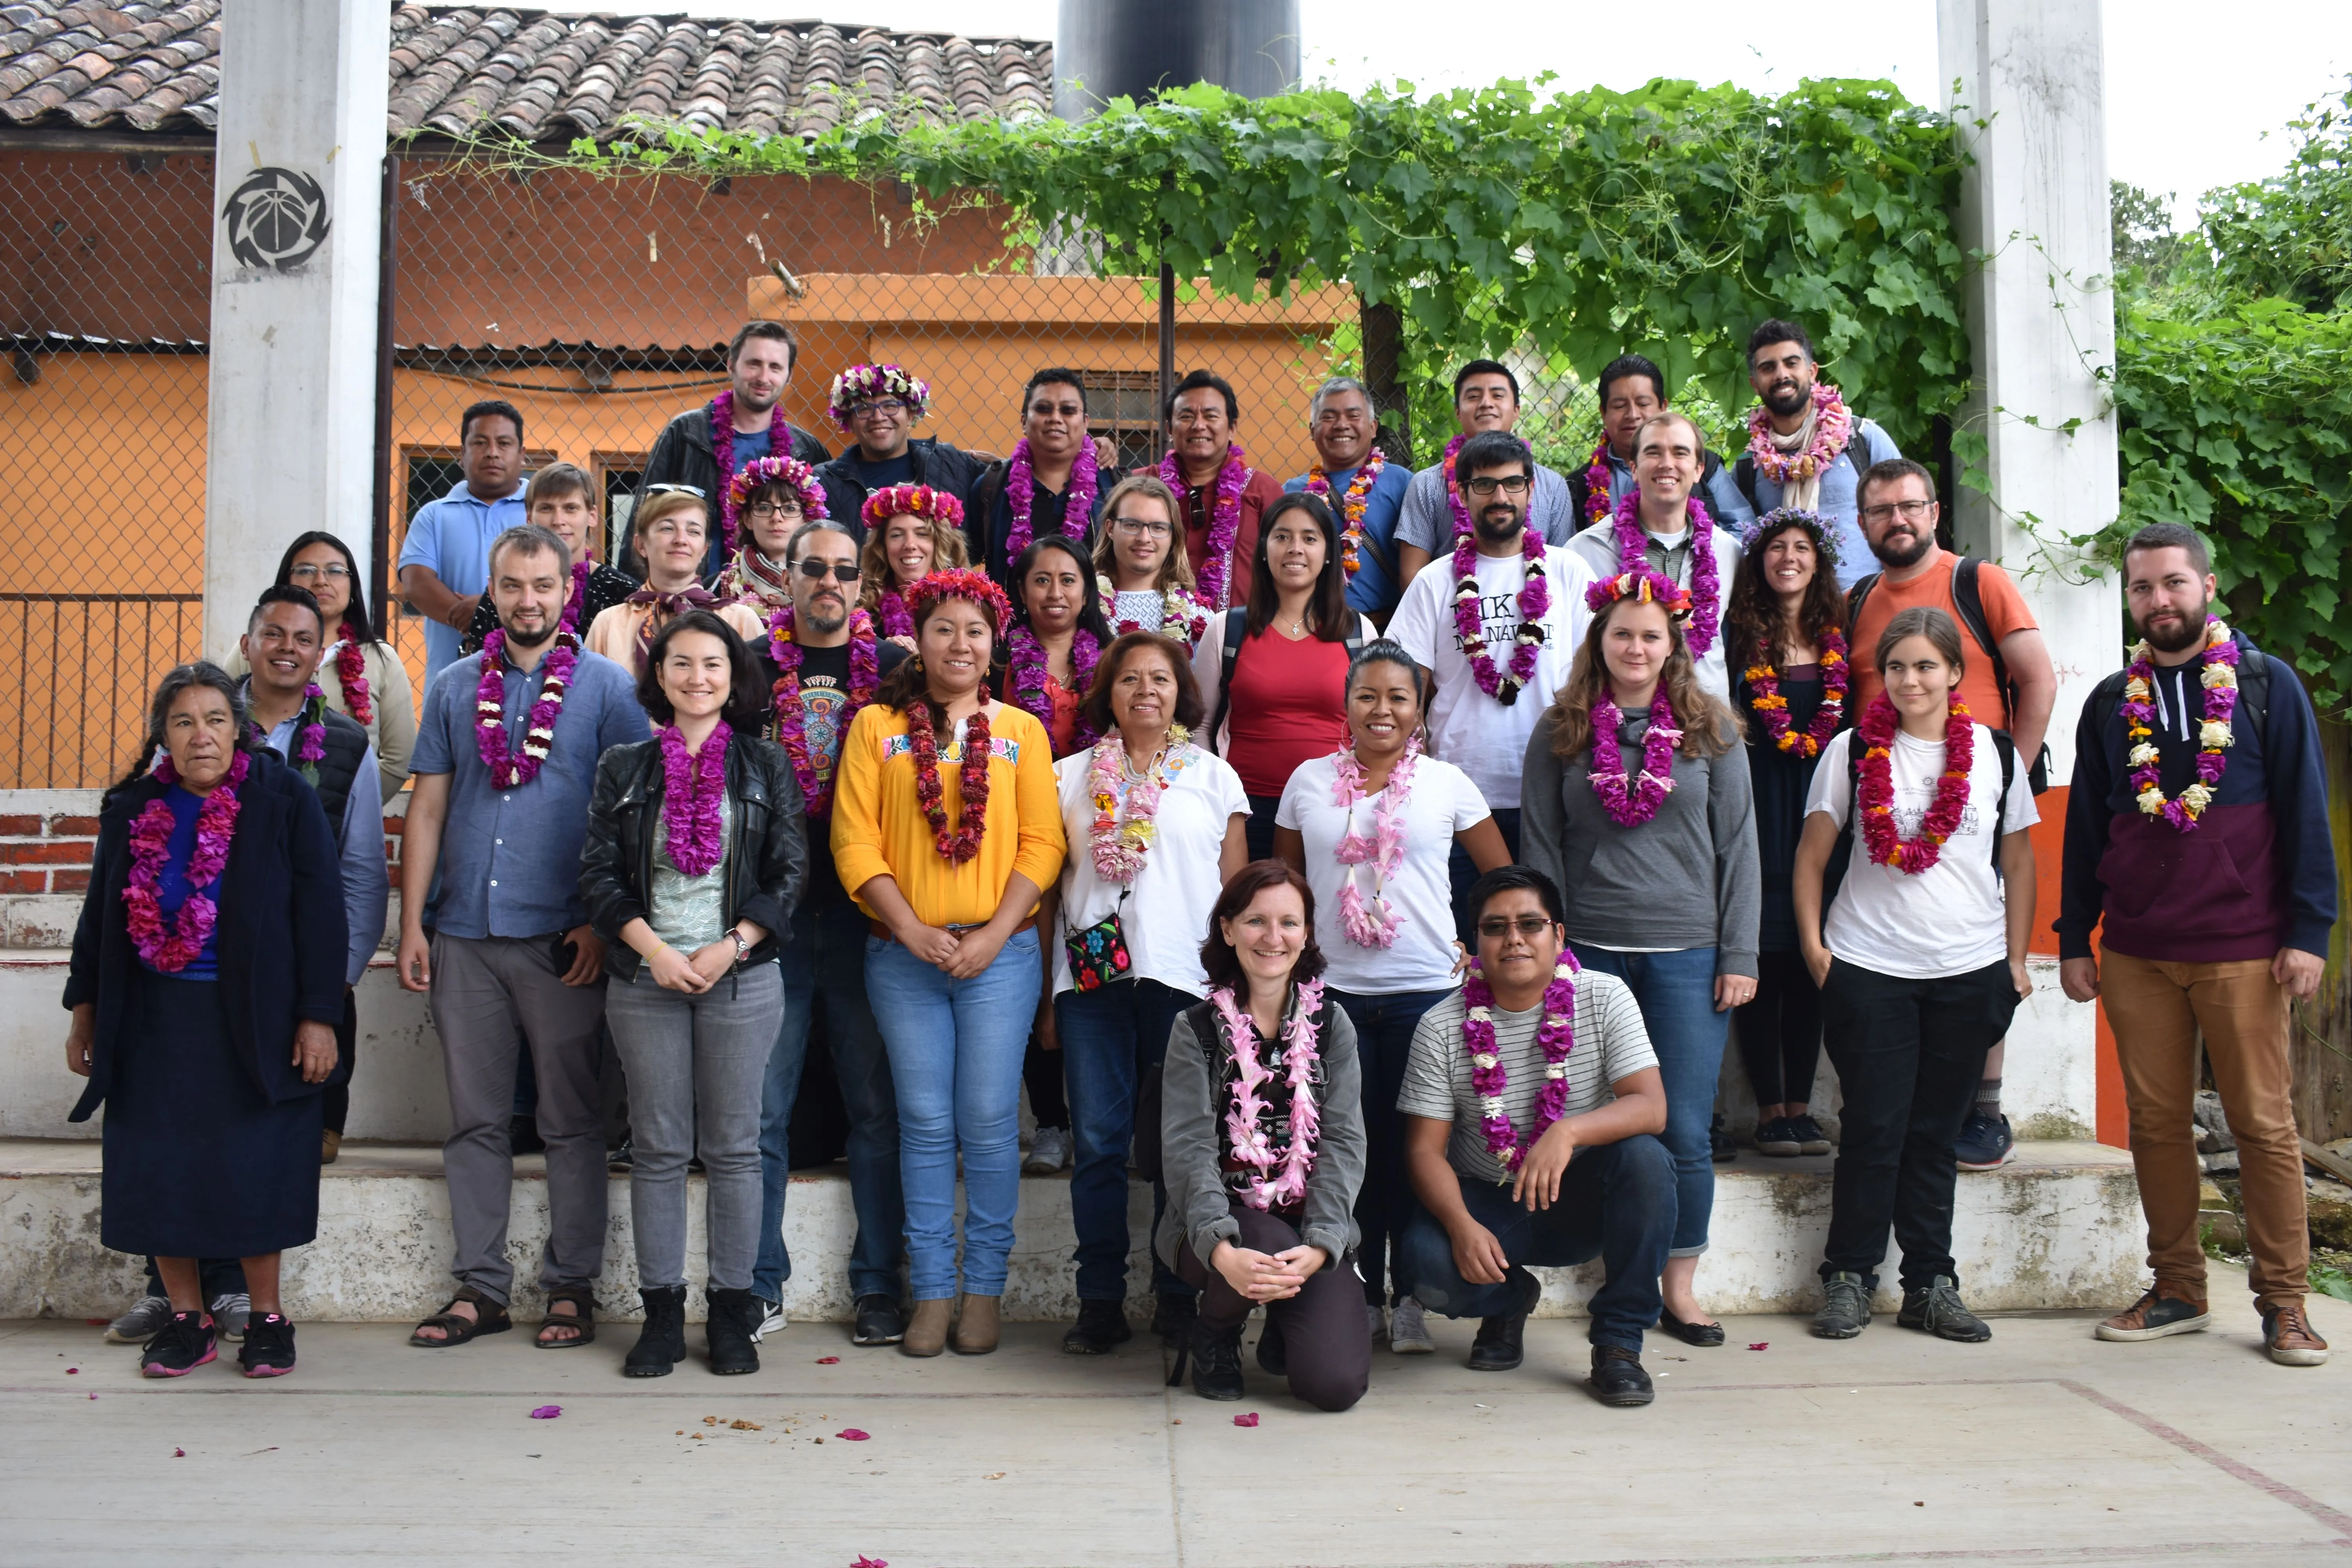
(2045, 1447)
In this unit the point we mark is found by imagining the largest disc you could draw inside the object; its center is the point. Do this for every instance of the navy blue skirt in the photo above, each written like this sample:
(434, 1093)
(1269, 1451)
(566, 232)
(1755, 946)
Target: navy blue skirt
(198, 1163)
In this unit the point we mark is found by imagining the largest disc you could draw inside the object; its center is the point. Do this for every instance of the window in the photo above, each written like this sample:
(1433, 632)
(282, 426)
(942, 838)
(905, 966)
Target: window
(618, 476)
(1124, 405)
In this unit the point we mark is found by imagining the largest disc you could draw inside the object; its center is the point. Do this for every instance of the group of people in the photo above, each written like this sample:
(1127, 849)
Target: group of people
(1388, 914)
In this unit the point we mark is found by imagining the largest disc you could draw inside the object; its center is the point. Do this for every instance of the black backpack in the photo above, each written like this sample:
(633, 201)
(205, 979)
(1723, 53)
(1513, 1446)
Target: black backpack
(1842, 852)
(1969, 600)
(1236, 629)
(1857, 449)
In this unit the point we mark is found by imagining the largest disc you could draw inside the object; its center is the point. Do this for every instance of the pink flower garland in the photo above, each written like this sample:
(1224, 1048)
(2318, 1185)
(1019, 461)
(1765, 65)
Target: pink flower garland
(1376, 925)
(575, 603)
(311, 739)
(1832, 428)
(1251, 1145)
(891, 612)
(1596, 484)
(150, 843)
(1535, 599)
(509, 770)
(1029, 673)
(722, 447)
(1633, 552)
(1632, 807)
(792, 715)
(350, 671)
(1350, 506)
(1874, 801)
(1021, 491)
(1118, 844)
(1555, 1036)
(1216, 565)
(2218, 676)
(694, 795)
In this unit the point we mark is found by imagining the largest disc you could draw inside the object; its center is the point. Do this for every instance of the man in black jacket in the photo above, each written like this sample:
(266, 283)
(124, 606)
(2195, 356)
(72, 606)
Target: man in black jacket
(758, 367)
(877, 406)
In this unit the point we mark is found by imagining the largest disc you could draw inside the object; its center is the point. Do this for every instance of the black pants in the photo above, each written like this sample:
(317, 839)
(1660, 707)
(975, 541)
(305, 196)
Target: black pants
(1908, 1054)
(1041, 1074)
(1463, 872)
(1258, 831)
(1329, 1353)
(1780, 1030)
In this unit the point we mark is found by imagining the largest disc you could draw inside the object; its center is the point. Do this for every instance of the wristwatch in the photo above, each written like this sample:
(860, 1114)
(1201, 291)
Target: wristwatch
(742, 948)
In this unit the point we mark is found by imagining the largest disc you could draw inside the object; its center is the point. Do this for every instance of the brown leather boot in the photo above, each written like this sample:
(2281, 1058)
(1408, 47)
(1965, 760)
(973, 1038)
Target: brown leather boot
(926, 1330)
(977, 1325)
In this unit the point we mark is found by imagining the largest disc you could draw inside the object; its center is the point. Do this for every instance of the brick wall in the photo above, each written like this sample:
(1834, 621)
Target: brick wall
(45, 852)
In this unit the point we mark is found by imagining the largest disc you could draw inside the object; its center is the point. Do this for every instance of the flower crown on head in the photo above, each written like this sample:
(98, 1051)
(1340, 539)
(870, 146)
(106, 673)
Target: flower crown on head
(861, 382)
(790, 471)
(961, 583)
(1644, 584)
(1816, 526)
(912, 500)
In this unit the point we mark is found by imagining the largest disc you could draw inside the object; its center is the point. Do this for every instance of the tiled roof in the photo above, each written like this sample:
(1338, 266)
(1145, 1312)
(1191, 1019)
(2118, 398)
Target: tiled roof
(150, 66)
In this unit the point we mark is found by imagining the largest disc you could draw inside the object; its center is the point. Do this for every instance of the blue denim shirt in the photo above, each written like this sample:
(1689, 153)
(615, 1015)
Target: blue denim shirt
(1838, 505)
(511, 858)
(1371, 591)
(452, 536)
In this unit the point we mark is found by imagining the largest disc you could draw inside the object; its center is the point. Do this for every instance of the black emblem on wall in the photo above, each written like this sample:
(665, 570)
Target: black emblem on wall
(277, 219)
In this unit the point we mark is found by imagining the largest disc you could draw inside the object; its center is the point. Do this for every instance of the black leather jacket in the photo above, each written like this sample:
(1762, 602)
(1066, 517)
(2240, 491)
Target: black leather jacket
(767, 858)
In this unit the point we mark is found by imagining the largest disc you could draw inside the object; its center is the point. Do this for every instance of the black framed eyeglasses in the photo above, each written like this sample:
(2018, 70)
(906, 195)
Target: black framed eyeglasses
(1143, 528)
(840, 571)
(878, 405)
(1510, 485)
(1911, 510)
(767, 508)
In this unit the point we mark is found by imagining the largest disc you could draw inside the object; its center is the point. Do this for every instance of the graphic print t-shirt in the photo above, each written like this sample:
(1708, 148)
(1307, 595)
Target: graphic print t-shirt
(824, 719)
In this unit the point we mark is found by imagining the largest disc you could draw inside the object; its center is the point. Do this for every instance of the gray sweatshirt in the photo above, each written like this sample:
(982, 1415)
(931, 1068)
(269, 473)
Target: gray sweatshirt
(1686, 877)
(1192, 1102)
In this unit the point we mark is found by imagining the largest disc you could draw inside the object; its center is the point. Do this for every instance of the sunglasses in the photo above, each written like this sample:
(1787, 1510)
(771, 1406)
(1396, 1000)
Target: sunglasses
(695, 491)
(1526, 925)
(840, 571)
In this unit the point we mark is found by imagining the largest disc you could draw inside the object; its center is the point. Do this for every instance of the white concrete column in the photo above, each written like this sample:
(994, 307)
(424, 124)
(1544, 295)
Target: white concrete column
(297, 215)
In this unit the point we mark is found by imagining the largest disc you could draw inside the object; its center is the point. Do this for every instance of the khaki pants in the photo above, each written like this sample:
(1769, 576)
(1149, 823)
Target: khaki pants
(2156, 1010)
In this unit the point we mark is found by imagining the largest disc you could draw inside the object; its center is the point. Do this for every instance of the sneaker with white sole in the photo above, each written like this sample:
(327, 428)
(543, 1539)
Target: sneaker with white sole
(1408, 1329)
(1376, 1321)
(771, 1319)
(231, 1310)
(1049, 1154)
(140, 1324)
(1985, 1142)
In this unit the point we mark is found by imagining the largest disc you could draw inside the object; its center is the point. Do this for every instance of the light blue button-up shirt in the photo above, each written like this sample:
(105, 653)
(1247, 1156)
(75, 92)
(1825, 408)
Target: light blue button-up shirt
(452, 536)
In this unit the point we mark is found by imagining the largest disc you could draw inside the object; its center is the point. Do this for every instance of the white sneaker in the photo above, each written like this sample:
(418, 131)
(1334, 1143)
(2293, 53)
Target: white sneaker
(771, 1320)
(1049, 1153)
(1373, 1319)
(136, 1327)
(230, 1313)
(1408, 1332)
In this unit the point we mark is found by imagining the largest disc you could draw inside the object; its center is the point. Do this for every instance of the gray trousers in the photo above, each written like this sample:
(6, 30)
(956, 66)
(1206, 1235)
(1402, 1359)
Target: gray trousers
(489, 993)
(697, 1067)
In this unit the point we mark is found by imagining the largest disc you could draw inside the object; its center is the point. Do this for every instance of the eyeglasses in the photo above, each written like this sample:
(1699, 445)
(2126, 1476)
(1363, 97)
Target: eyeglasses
(842, 570)
(307, 574)
(1526, 925)
(695, 491)
(1911, 510)
(767, 508)
(877, 405)
(1140, 528)
(1515, 485)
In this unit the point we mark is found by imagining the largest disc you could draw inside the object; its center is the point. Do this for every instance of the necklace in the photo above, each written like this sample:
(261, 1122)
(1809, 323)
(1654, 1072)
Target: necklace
(311, 739)
(1351, 504)
(722, 447)
(891, 613)
(1279, 1176)
(922, 739)
(508, 770)
(1021, 491)
(2214, 734)
(792, 714)
(1632, 554)
(1118, 844)
(1832, 428)
(1224, 522)
(693, 793)
(1182, 615)
(1596, 484)
(1029, 671)
(1632, 805)
(1875, 801)
(1375, 924)
(168, 952)
(1764, 696)
(1555, 1036)
(1535, 599)
(351, 672)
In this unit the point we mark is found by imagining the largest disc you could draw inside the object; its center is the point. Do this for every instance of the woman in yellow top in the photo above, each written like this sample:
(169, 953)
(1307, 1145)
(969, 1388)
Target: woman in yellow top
(946, 827)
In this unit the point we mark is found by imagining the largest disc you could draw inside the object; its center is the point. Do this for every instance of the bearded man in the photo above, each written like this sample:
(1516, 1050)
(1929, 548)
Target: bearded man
(1805, 448)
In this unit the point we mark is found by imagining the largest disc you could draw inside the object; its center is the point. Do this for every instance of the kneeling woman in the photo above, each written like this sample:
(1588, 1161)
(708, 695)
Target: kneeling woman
(694, 861)
(1261, 1146)
(1921, 962)
(206, 983)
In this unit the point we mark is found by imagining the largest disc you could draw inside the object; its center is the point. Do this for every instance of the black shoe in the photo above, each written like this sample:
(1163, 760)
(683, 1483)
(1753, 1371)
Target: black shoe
(1500, 1345)
(879, 1322)
(730, 1318)
(1100, 1325)
(184, 1343)
(269, 1349)
(1173, 1317)
(1720, 1148)
(1216, 1362)
(1618, 1378)
(661, 1343)
(1778, 1138)
(621, 1157)
(1272, 1354)
(1936, 1310)
(522, 1136)
(1810, 1139)
(1690, 1333)
(1845, 1307)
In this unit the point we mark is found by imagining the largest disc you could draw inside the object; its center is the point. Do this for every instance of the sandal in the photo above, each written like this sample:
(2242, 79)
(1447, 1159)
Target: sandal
(489, 1318)
(581, 1317)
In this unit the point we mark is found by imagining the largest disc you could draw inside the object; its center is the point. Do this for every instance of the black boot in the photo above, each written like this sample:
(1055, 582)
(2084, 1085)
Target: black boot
(1217, 1361)
(1272, 1354)
(661, 1344)
(1100, 1325)
(732, 1315)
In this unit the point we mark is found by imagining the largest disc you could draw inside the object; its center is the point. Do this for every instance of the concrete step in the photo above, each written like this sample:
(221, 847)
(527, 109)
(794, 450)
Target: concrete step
(2058, 1228)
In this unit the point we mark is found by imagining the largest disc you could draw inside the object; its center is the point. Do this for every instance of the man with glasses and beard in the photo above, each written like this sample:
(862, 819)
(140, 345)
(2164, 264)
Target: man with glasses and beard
(1805, 448)
(2196, 842)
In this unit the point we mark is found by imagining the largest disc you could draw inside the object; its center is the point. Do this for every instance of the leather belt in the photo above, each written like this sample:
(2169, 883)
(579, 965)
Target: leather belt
(885, 933)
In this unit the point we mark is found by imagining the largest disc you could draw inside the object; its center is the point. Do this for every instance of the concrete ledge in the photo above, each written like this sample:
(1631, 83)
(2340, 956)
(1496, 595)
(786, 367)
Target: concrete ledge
(2058, 1228)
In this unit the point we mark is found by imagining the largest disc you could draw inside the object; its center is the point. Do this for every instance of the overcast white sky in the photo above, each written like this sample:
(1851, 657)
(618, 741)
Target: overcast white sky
(2188, 95)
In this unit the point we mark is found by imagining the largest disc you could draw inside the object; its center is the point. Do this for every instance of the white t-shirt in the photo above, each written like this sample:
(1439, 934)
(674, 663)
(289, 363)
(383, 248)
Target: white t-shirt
(1949, 919)
(1467, 727)
(1442, 802)
(1167, 911)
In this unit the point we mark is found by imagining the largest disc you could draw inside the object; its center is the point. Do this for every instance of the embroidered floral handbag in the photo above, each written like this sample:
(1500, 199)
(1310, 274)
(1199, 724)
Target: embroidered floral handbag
(1098, 953)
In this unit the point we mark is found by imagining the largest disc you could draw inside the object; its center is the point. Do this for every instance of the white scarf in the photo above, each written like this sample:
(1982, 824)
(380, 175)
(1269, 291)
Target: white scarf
(1805, 495)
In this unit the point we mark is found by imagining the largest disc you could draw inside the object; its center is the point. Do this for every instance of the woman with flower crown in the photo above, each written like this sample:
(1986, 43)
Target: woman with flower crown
(769, 498)
(1140, 568)
(206, 982)
(1920, 959)
(1784, 629)
(1637, 805)
(1373, 826)
(695, 857)
(911, 531)
(1154, 823)
(1262, 1146)
(947, 832)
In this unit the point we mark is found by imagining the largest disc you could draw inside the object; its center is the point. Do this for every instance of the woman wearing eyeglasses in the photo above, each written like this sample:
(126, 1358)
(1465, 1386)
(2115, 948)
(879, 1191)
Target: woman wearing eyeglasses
(1141, 571)
(668, 530)
(911, 531)
(562, 500)
(369, 683)
(769, 498)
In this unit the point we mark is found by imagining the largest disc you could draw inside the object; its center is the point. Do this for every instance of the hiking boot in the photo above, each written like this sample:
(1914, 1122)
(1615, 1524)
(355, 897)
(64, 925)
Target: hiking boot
(661, 1343)
(331, 1144)
(1100, 1325)
(2291, 1340)
(1778, 1138)
(1719, 1146)
(1618, 1378)
(728, 1318)
(1216, 1362)
(1173, 1317)
(268, 1349)
(231, 1310)
(1984, 1143)
(2160, 1311)
(1409, 1328)
(879, 1322)
(1810, 1139)
(1845, 1307)
(137, 1326)
(183, 1343)
(1937, 1310)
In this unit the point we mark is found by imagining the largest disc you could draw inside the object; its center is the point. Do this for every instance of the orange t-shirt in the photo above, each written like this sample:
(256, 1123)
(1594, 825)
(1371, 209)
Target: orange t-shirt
(2004, 610)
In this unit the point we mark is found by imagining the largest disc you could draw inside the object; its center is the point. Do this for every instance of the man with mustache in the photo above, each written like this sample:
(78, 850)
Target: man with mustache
(2008, 682)
(1805, 448)
(878, 407)
(2197, 841)
(1632, 392)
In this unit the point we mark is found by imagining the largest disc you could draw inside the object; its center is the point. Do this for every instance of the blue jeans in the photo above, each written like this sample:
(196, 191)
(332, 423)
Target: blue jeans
(1675, 992)
(1112, 1039)
(826, 954)
(1384, 1026)
(1616, 1202)
(955, 1048)
(1463, 872)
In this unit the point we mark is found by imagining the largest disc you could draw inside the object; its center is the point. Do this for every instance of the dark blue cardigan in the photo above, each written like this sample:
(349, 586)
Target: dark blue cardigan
(282, 932)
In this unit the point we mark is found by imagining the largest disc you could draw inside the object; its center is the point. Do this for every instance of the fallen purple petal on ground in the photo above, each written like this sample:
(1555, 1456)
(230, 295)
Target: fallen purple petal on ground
(828, 1361)
(852, 1435)
(179, 1453)
(1248, 1420)
(547, 1413)
(1762, 1345)
(865, 1561)
(71, 1370)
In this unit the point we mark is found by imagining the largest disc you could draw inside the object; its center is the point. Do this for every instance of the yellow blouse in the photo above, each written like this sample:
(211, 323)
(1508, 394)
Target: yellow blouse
(878, 828)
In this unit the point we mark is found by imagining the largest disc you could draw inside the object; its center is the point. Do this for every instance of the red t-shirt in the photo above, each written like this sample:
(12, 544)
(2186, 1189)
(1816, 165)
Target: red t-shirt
(1288, 705)
(1063, 727)
(2005, 612)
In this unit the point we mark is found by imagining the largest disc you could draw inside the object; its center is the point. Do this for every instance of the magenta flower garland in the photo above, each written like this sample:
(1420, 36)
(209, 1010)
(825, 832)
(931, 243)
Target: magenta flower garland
(509, 769)
(1534, 600)
(1029, 672)
(350, 671)
(310, 739)
(693, 797)
(2220, 679)
(169, 952)
(722, 447)
(1632, 805)
(1279, 1178)
(1376, 924)
(1555, 1036)
(1596, 484)
(791, 716)
(1632, 554)
(1021, 491)
(1216, 566)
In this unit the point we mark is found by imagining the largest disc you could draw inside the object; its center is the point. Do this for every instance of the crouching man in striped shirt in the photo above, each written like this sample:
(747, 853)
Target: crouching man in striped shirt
(1532, 1102)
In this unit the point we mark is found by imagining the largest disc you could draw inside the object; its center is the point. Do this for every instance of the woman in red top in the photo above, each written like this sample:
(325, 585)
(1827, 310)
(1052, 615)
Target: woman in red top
(1275, 674)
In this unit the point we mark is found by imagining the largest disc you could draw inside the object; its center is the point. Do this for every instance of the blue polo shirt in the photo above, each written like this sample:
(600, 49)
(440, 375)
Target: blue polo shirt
(511, 858)
(452, 536)
(1373, 590)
